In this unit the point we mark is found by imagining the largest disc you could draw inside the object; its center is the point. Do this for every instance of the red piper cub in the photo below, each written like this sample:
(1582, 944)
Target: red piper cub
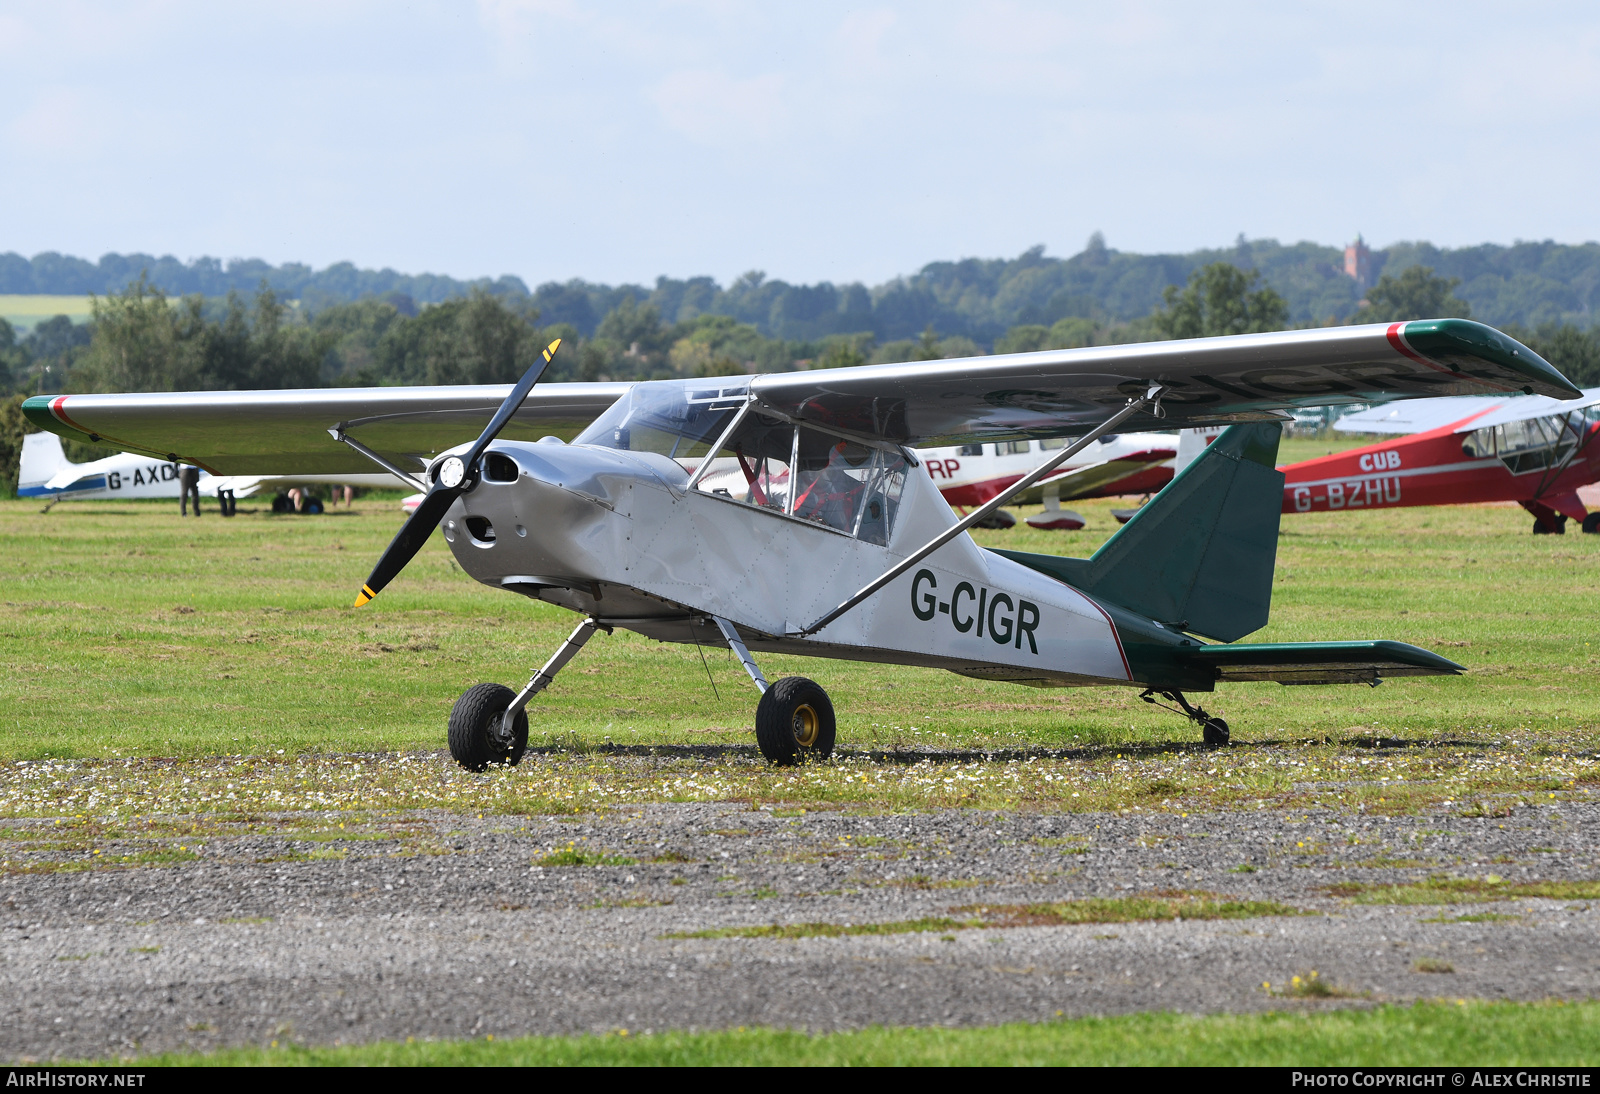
(1530, 449)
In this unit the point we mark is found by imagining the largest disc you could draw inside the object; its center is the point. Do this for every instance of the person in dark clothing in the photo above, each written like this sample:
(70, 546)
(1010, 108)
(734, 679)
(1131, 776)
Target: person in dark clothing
(188, 486)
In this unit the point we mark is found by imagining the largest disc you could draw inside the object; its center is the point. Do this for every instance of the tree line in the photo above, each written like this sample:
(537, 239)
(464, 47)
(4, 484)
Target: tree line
(1532, 284)
(142, 339)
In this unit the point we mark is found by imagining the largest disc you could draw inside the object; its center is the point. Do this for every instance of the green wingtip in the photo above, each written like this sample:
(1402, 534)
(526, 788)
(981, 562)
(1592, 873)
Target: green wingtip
(36, 408)
(1443, 339)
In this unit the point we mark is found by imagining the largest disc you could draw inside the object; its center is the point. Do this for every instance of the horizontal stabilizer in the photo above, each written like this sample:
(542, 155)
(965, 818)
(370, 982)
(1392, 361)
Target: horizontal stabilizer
(1317, 662)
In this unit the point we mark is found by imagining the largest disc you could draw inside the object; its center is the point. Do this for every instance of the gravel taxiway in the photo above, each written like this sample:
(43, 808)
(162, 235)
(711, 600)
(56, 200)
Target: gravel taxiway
(449, 927)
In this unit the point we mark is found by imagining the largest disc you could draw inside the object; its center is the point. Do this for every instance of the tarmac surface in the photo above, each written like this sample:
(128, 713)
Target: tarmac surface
(254, 942)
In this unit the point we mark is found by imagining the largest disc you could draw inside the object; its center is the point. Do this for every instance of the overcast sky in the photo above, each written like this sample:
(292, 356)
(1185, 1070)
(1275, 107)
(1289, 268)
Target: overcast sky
(812, 140)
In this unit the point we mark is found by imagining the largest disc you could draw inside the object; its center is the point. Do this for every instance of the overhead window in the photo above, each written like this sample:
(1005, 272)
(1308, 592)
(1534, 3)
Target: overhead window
(679, 419)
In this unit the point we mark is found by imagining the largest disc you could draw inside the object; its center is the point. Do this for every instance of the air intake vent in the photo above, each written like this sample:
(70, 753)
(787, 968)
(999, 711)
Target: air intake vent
(480, 529)
(498, 467)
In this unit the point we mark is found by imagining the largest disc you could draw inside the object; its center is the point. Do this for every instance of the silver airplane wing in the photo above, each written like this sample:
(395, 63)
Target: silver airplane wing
(1209, 380)
(1054, 393)
(286, 432)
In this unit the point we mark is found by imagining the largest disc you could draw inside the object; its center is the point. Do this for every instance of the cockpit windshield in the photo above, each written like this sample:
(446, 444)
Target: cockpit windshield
(679, 419)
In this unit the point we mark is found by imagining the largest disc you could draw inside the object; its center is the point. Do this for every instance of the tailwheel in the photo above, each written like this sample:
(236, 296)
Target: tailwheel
(1215, 732)
(476, 735)
(794, 721)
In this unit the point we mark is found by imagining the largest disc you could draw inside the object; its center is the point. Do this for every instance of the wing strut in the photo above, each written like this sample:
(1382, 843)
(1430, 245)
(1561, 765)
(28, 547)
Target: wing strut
(1152, 396)
(338, 434)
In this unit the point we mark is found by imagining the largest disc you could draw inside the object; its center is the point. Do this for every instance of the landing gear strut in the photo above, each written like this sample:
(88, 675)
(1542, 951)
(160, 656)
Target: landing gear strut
(1214, 731)
(489, 723)
(794, 720)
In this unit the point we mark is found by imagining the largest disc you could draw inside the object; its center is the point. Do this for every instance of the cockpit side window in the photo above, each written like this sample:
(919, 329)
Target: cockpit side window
(809, 474)
(752, 466)
(1479, 443)
(847, 485)
(1531, 444)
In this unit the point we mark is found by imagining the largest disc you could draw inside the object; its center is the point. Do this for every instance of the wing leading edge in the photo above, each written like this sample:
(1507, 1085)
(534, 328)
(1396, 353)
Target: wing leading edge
(1209, 380)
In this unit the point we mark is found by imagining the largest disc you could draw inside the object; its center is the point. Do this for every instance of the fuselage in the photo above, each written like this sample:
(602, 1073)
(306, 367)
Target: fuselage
(621, 535)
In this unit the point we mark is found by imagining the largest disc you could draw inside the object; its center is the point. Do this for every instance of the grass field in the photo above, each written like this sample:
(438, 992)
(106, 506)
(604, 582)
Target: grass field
(133, 637)
(23, 312)
(129, 631)
(1464, 1034)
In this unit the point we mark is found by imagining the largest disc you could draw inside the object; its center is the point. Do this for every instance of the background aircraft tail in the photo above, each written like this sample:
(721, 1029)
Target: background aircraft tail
(1200, 555)
(42, 459)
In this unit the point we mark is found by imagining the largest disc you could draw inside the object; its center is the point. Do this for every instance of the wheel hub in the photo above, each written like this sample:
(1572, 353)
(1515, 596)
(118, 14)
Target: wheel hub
(806, 725)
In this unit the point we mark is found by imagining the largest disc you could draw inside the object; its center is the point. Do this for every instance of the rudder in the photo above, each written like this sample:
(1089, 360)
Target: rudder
(42, 459)
(1201, 554)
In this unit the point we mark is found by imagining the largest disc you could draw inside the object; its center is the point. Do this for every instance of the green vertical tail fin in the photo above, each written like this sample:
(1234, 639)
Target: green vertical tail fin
(1200, 555)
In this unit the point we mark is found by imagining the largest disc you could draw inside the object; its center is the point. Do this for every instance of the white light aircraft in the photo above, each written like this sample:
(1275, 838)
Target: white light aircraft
(788, 513)
(45, 472)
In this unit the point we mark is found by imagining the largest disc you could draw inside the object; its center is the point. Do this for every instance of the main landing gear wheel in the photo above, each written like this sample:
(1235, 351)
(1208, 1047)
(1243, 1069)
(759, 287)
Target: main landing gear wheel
(1540, 528)
(475, 737)
(794, 721)
(1591, 523)
(1215, 732)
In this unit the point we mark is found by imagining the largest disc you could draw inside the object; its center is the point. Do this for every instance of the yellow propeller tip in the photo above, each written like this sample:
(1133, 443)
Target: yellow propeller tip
(364, 596)
(550, 350)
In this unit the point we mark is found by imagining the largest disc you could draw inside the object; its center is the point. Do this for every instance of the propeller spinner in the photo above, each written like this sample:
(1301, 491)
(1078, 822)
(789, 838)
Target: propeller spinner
(456, 476)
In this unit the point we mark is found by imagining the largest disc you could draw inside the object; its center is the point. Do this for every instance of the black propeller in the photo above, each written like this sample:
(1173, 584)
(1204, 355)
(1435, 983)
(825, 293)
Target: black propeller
(456, 476)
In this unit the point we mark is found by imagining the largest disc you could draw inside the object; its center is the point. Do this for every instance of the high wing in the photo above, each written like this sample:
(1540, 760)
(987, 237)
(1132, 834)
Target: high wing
(1474, 412)
(285, 433)
(1053, 393)
(1209, 380)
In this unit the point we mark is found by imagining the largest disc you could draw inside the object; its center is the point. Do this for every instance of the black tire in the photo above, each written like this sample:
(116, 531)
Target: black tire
(1560, 529)
(1591, 523)
(472, 720)
(794, 721)
(282, 504)
(1215, 732)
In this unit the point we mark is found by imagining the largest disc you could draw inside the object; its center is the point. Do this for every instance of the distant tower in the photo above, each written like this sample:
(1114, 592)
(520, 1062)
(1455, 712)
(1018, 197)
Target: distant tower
(1358, 263)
